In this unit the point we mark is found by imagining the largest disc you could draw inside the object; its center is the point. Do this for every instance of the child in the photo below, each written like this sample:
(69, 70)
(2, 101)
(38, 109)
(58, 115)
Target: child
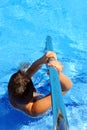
(21, 90)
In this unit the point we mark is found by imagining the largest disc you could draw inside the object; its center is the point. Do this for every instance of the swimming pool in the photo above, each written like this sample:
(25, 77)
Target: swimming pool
(24, 25)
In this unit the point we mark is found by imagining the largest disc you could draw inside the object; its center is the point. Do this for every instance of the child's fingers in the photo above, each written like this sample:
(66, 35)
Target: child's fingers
(57, 65)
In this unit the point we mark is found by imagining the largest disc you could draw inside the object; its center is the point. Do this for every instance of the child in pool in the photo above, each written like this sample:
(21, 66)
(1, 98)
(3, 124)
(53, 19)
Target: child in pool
(21, 89)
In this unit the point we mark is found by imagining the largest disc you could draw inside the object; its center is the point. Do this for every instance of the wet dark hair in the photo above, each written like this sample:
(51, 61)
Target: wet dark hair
(20, 88)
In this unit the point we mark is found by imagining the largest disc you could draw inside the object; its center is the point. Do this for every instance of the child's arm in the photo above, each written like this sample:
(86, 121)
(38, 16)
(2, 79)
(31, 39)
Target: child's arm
(38, 63)
(65, 82)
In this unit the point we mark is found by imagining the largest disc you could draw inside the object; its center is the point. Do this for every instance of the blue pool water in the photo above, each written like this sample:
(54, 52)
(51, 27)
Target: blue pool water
(24, 25)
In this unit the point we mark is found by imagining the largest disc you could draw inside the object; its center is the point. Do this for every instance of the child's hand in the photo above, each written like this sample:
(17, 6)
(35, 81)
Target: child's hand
(49, 56)
(56, 64)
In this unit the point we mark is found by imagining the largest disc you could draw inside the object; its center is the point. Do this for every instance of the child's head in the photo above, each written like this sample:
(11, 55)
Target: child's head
(20, 88)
